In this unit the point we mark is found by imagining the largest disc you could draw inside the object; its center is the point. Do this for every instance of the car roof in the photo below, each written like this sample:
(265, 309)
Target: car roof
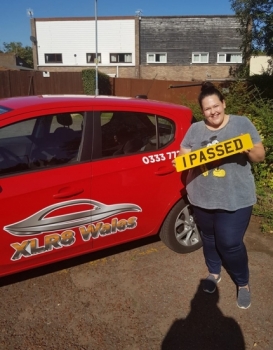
(28, 103)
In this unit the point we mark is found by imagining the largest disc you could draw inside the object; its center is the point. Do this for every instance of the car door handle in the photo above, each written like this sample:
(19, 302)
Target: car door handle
(165, 170)
(68, 193)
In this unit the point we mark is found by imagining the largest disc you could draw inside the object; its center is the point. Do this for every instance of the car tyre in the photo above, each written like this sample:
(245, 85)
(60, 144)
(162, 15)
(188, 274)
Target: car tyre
(179, 231)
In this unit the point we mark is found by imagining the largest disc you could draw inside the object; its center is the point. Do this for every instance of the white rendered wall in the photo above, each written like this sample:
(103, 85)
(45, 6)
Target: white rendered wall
(258, 64)
(71, 38)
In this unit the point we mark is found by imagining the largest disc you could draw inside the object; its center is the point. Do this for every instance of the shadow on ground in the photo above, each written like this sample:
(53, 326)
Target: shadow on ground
(205, 327)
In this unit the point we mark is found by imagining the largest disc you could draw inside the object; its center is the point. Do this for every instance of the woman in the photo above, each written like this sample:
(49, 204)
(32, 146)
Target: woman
(222, 192)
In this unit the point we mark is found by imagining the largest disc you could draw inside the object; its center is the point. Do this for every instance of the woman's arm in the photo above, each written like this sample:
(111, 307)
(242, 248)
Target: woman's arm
(257, 153)
(184, 151)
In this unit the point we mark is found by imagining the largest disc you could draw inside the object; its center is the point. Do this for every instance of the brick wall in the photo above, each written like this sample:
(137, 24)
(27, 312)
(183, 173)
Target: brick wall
(185, 73)
(159, 72)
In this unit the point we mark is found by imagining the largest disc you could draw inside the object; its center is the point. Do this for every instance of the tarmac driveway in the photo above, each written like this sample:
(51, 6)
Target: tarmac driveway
(142, 296)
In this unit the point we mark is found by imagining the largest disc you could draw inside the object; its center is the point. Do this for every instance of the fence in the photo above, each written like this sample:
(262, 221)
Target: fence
(23, 83)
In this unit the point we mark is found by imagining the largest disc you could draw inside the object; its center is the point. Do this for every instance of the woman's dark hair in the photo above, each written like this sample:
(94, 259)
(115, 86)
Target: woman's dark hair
(208, 89)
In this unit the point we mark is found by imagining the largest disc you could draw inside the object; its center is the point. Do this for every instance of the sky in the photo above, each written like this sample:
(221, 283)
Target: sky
(15, 22)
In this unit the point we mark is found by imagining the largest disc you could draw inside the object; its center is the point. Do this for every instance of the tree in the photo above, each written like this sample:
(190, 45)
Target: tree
(23, 52)
(256, 19)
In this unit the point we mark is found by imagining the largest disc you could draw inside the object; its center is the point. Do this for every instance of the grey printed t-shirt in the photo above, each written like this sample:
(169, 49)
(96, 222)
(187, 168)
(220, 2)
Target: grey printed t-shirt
(227, 183)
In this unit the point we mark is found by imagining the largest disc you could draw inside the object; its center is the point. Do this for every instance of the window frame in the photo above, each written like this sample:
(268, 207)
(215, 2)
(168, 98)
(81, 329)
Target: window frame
(154, 55)
(53, 61)
(118, 55)
(200, 55)
(93, 55)
(229, 53)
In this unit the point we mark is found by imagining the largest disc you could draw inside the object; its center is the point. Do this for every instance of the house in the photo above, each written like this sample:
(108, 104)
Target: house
(260, 64)
(171, 47)
(11, 61)
(69, 44)
(189, 47)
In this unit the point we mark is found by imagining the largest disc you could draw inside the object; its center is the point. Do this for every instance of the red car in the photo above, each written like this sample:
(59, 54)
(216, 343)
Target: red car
(83, 173)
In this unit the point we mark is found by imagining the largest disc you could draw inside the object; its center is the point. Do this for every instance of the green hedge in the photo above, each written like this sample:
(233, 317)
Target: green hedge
(89, 82)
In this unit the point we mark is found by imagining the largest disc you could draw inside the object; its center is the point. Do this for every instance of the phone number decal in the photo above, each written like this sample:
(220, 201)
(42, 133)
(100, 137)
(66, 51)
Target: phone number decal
(160, 157)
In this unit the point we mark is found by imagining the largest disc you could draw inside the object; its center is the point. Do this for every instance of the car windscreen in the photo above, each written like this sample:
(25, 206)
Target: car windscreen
(4, 109)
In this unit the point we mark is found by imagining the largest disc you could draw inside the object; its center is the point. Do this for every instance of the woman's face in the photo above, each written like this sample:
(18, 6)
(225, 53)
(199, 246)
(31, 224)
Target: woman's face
(213, 110)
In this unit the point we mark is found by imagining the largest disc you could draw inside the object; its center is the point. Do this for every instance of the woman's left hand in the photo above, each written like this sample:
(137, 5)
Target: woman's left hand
(256, 154)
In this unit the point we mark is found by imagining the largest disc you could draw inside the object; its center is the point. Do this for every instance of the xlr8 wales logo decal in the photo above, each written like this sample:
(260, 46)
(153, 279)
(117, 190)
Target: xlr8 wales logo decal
(87, 223)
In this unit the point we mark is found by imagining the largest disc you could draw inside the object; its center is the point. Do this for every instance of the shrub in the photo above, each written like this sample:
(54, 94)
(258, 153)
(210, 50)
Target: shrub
(89, 82)
(248, 101)
(264, 83)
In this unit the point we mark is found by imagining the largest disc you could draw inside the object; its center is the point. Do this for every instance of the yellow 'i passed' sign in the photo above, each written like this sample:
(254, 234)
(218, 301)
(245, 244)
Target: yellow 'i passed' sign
(208, 154)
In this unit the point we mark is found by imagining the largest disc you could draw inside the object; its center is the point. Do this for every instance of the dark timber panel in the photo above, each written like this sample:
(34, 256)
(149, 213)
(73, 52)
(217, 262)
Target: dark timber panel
(180, 36)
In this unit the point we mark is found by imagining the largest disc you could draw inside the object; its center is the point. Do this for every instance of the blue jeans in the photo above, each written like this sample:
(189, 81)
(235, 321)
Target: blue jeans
(222, 234)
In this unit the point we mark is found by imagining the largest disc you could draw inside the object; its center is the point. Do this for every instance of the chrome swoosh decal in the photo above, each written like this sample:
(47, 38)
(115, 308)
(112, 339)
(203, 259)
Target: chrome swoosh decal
(38, 223)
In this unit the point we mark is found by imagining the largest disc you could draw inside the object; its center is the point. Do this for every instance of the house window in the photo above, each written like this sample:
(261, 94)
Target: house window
(120, 58)
(91, 58)
(53, 58)
(231, 57)
(156, 57)
(200, 57)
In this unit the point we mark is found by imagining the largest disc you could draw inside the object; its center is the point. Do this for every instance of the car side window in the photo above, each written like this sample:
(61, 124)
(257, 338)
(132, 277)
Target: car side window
(165, 134)
(128, 133)
(77, 121)
(41, 142)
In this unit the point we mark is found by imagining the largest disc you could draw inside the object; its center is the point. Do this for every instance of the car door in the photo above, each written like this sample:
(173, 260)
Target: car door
(44, 188)
(133, 178)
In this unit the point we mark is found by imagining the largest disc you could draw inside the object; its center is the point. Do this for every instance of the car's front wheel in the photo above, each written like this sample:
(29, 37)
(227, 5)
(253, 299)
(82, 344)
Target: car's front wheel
(179, 231)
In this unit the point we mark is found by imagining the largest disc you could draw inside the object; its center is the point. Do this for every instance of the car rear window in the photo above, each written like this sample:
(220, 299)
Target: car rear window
(4, 110)
(126, 132)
